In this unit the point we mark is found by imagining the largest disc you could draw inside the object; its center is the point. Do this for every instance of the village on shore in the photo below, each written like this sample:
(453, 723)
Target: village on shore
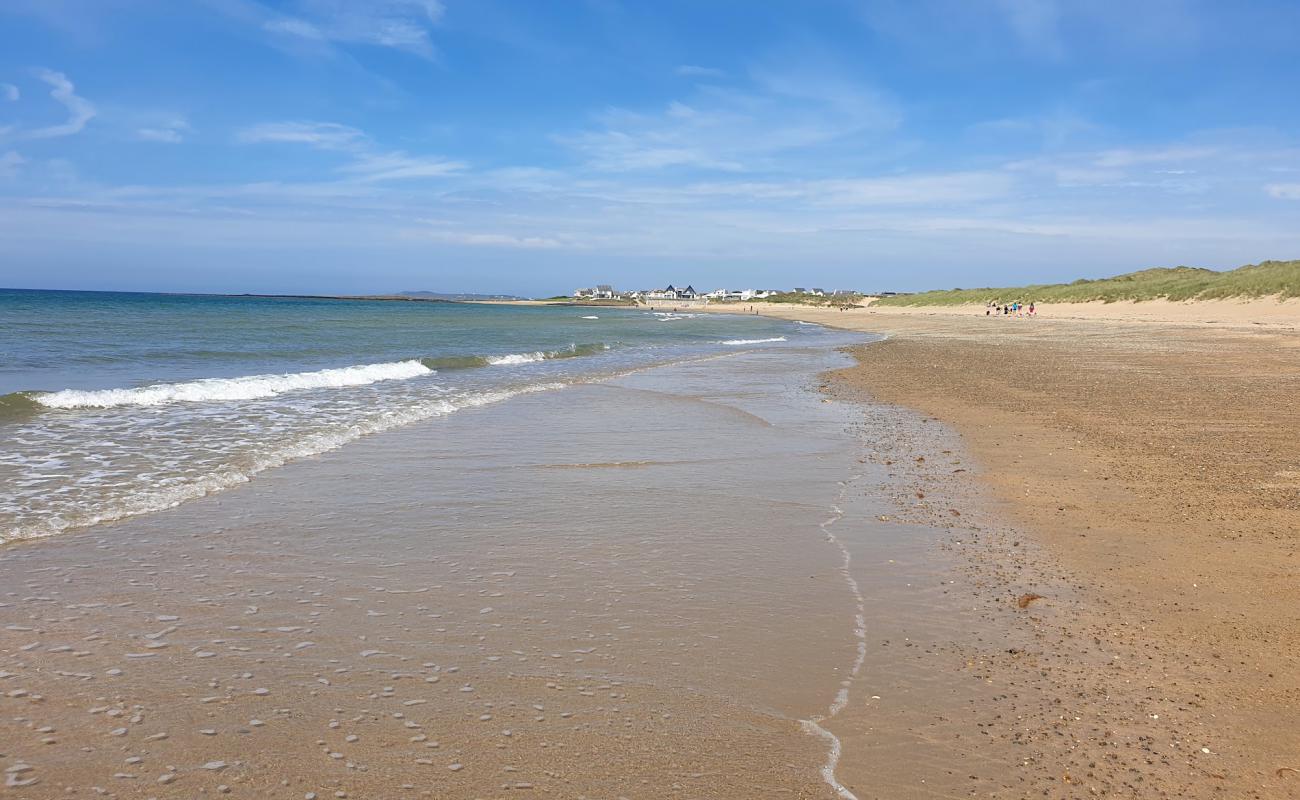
(688, 293)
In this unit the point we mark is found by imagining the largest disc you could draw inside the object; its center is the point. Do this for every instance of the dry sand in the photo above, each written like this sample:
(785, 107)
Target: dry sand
(1145, 480)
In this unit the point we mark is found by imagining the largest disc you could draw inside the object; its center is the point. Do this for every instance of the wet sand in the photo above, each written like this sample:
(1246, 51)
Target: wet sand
(1140, 476)
(629, 589)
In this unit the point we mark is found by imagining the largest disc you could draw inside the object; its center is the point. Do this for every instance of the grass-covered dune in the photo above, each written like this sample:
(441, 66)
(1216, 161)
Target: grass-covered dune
(810, 299)
(1279, 279)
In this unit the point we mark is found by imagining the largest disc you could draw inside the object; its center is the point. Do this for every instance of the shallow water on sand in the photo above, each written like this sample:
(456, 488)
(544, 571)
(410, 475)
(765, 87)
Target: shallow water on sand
(114, 405)
(627, 588)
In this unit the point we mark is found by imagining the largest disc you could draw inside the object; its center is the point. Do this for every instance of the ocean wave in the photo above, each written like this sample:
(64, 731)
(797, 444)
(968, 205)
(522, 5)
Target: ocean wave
(318, 442)
(754, 341)
(247, 387)
(255, 387)
(514, 359)
(18, 404)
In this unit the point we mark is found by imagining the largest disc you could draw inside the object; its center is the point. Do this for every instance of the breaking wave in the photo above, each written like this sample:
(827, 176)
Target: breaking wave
(255, 387)
(513, 359)
(754, 341)
(315, 443)
(247, 387)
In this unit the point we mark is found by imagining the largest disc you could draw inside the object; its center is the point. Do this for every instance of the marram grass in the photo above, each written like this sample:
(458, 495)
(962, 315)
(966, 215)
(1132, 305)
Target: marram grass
(1279, 279)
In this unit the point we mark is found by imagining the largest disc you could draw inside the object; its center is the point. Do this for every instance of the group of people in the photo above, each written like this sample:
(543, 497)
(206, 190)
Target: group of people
(1009, 309)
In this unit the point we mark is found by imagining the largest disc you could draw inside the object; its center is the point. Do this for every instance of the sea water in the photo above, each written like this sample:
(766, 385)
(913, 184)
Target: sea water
(119, 404)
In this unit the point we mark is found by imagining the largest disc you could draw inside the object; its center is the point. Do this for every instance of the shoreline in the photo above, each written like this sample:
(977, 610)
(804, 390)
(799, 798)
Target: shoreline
(431, 613)
(1150, 464)
(1269, 313)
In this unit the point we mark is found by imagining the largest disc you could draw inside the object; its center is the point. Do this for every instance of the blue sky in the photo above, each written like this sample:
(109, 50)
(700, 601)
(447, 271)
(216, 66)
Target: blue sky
(484, 145)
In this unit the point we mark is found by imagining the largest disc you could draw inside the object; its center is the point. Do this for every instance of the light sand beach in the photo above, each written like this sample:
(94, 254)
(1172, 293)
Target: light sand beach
(1142, 476)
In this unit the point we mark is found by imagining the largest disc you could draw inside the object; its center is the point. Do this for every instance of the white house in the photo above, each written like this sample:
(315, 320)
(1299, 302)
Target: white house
(672, 293)
(601, 292)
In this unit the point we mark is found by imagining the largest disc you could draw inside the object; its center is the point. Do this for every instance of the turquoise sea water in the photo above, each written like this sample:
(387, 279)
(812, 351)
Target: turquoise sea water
(116, 404)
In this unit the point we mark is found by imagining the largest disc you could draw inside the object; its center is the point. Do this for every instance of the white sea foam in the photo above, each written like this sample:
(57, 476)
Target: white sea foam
(247, 387)
(814, 726)
(516, 358)
(591, 316)
(313, 444)
(754, 341)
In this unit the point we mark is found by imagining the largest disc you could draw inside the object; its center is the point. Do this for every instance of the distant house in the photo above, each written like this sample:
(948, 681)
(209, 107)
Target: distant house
(601, 292)
(800, 290)
(730, 294)
(817, 292)
(670, 292)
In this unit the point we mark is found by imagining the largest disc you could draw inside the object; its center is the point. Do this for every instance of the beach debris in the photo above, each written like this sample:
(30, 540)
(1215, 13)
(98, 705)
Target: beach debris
(1028, 597)
(1282, 771)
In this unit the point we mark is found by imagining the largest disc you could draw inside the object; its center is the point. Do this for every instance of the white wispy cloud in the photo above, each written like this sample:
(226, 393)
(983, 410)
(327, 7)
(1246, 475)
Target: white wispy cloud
(488, 239)
(1172, 167)
(168, 131)
(399, 24)
(392, 166)
(10, 92)
(368, 164)
(906, 190)
(80, 110)
(732, 131)
(1163, 155)
(323, 135)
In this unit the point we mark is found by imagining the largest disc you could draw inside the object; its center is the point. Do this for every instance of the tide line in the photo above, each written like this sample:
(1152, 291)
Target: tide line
(813, 726)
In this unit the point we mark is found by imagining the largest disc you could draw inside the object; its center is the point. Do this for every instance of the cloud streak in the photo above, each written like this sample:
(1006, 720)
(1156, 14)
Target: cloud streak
(730, 130)
(80, 111)
(398, 24)
(321, 135)
(368, 164)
